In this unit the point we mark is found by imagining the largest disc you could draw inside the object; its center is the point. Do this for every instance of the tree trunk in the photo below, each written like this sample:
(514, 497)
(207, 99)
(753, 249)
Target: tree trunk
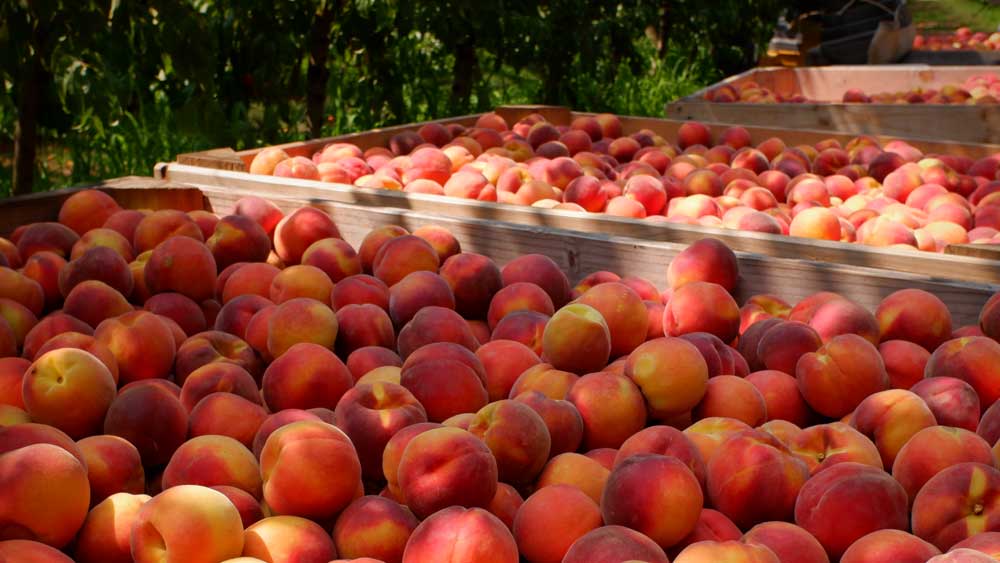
(26, 128)
(666, 20)
(465, 73)
(318, 74)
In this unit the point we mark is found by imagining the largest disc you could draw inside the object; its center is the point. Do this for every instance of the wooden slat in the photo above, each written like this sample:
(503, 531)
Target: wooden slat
(577, 253)
(957, 267)
(967, 123)
(985, 251)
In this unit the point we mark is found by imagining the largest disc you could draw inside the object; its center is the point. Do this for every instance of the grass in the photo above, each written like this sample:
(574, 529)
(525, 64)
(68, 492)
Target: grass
(948, 15)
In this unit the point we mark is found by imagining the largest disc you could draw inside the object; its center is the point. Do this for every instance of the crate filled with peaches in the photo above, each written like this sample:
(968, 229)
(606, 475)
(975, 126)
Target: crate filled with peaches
(201, 376)
(933, 102)
(906, 205)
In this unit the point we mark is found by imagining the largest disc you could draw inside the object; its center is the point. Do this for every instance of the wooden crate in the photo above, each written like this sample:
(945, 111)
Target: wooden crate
(225, 169)
(577, 253)
(971, 124)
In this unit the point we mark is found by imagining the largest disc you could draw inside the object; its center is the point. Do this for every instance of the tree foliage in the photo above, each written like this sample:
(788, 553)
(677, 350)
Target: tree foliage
(110, 87)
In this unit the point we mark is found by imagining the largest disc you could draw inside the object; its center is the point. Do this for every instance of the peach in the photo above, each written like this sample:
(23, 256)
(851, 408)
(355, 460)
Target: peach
(264, 212)
(576, 470)
(414, 292)
(671, 497)
(504, 361)
(86, 210)
(545, 379)
(542, 271)
(298, 230)
(953, 401)
(284, 539)
(614, 544)
(624, 313)
(985, 542)
(445, 387)
(183, 265)
(518, 296)
(161, 225)
(249, 279)
(934, 449)
(45, 475)
(890, 418)
(708, 434)
(113, 466)
(103, 237)
(55, 385)
(307, 375)
(517, 436)
(364, 360)
(708, 260)
(781, 395)
(215, 347)
(663, 440)
(889, 545)
(904, 362)
(442, 467)
(837, 377)
(363, 325)
(712, 526)
(296, 464)
(227, 414)
(611, 406)
(971, 359)
(152, 418)
(105, 536)
(99, 263)
(751, 464)
(22, 289)
(710, 550)
(474, 280)
(370, 414)
(461, 534)
(265, 161)
(957, 503)
(11, 377)
(824, 445)
(842, 316)
(732, 397)
(374, 526)
(213, 461)
(434, 324)
(552, 519)
(300, 320)
(702, 307)
(586, 192)
(916, 316)
(218, 377)
(403, 255)
(360, 289)
(848, 501)
(961, 555)
(94, 301)
(788, 541)
(334, 256)
(25, 434)
(44, 268)
(11, 415)
(561, 418)
(237, 238)
(816, 223)
(54, 237)
(393, 454)
(505, 504)
(374, 241)
(187, 522)
(234, 316)
(275, 421)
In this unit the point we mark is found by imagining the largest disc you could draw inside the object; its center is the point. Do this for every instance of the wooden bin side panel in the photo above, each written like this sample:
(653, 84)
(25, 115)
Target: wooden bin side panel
(970, 269)
(577, 253)
(580, 254)
(131, 192)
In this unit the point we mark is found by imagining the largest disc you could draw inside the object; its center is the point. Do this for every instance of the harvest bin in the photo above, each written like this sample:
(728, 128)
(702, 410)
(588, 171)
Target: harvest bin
(576, 253)
(225, 170)
(970, 124)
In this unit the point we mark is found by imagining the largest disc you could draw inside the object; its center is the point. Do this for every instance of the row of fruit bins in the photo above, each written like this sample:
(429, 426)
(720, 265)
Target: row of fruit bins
(933, 102)
(184, 362)
(677, 191)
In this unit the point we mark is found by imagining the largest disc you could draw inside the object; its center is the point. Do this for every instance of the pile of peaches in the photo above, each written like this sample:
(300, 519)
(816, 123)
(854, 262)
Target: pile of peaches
(188, 388)
(963, 39)
(979, 89)
(876, 194)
